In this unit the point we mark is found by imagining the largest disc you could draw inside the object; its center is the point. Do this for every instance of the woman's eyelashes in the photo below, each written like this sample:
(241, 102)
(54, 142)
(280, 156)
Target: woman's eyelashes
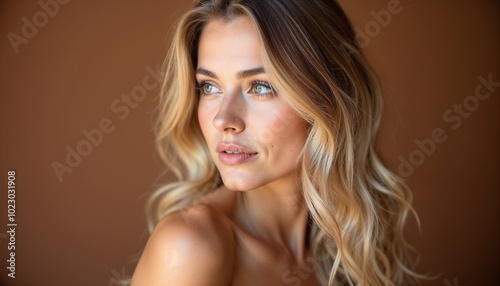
(257, 87)
(261, 88)
(207, 88)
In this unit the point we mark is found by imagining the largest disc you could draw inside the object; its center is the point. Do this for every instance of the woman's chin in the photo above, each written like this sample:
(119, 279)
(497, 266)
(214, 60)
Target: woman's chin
(239, 185)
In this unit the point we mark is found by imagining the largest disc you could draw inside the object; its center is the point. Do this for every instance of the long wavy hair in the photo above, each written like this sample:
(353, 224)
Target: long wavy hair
(358, 208)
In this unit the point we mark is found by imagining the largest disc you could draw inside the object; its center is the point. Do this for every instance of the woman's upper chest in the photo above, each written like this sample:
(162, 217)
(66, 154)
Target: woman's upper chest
(257, 263)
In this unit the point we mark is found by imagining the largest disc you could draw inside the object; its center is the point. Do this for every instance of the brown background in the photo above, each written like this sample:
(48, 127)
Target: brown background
(85, 229)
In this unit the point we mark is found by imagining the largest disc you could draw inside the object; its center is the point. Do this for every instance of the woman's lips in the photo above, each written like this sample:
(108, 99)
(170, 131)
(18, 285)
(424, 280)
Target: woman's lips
(233, 154)
(235, 159)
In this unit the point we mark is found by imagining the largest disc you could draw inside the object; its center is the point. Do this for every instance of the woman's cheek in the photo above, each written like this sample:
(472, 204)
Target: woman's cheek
(283, 120)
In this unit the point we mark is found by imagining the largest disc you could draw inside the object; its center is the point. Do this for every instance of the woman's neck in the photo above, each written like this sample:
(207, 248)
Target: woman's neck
(276, 214)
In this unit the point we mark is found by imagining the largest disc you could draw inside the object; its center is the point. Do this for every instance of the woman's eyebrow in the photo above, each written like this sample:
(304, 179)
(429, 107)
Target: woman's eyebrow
(205, 72)
(251, 72)
(240, 75)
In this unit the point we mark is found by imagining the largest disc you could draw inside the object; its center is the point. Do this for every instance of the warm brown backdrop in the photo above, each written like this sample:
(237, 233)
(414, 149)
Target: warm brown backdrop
(65, 78)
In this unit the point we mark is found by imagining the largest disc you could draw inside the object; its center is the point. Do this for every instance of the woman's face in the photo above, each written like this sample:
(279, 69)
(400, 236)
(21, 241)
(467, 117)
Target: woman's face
(254, 137)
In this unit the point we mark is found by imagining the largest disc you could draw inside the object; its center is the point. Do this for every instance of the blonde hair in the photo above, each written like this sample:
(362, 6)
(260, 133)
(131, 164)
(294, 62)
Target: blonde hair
(358, 208)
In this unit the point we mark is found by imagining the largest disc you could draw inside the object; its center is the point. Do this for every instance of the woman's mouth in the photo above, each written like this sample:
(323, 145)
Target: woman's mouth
(232, 154)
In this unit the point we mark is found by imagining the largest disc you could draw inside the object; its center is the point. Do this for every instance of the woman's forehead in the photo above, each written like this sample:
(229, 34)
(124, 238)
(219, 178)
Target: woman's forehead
(233, 43)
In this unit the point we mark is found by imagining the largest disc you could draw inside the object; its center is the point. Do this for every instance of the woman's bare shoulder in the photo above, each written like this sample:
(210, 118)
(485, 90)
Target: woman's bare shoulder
(192, 246)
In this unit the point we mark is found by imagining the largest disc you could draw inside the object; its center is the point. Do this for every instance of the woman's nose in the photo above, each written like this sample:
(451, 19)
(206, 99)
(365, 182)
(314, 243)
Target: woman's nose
(229, 117)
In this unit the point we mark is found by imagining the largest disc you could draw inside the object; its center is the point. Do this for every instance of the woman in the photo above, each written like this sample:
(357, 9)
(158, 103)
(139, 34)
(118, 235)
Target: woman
(268, 118)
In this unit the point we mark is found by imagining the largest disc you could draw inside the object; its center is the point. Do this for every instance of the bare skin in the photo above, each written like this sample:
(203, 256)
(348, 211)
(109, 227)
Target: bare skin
(252, 230)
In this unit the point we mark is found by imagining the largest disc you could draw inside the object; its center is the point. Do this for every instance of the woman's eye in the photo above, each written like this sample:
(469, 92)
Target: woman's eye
(208, 88)
(262, 88)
